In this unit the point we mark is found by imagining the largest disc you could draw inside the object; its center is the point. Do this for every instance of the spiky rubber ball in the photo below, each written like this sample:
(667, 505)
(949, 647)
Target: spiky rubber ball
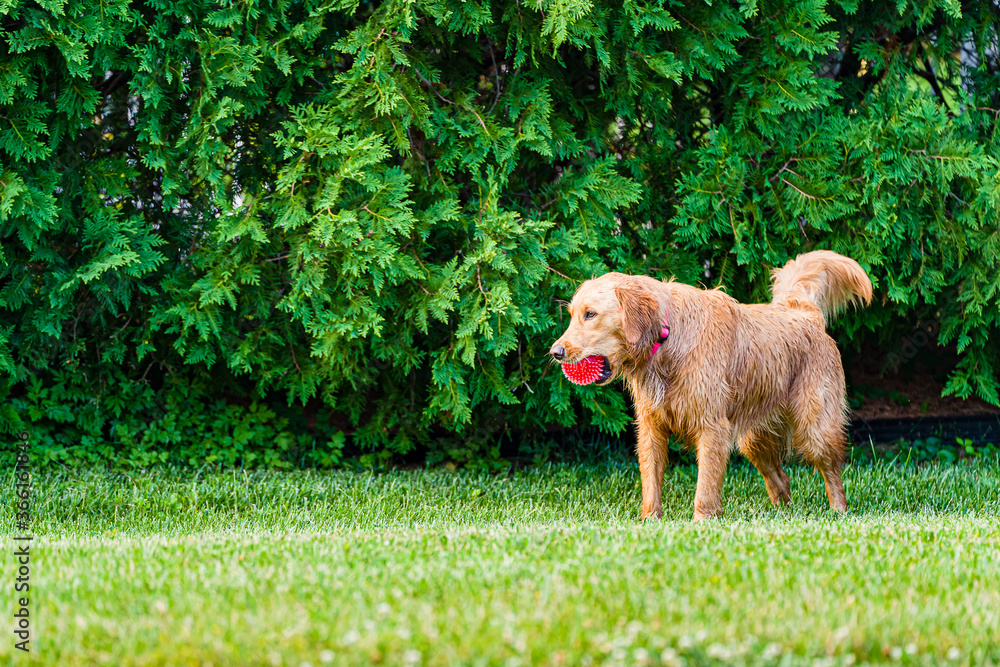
(586, 371)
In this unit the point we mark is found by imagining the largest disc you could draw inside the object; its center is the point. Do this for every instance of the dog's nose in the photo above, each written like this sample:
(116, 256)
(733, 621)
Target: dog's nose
(558, 351)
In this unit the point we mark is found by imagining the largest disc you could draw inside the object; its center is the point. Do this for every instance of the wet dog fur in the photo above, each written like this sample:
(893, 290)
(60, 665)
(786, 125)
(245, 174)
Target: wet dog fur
(760, 378)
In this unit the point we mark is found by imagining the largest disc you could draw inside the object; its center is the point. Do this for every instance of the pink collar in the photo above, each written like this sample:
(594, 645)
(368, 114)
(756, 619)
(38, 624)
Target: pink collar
(664, 332)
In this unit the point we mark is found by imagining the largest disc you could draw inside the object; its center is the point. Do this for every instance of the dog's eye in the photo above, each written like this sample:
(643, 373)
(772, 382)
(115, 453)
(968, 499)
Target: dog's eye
(589, 315)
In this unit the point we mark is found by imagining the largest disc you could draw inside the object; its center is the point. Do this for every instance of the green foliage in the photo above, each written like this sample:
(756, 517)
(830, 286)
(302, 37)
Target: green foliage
(200, 427)
(928, 450)
(273, 232)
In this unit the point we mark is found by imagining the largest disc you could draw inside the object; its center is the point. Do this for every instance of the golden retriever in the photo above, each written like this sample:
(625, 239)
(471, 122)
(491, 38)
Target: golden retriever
(719, 374)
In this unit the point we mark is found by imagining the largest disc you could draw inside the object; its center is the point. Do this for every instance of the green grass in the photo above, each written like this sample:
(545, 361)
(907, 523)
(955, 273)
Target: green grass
(546, 566)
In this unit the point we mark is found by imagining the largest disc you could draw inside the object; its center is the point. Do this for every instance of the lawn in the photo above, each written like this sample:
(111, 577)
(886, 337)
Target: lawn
(547, 565)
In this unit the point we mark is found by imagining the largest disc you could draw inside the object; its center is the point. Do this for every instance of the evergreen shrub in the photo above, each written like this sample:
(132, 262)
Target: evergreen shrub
(274, 233)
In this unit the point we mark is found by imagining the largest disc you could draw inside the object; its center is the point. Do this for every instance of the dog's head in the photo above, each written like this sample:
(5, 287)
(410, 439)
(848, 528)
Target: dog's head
(613, 317)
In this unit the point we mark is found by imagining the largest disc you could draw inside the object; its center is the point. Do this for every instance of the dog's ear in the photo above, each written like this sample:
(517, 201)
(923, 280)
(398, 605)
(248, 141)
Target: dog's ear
(639, 323)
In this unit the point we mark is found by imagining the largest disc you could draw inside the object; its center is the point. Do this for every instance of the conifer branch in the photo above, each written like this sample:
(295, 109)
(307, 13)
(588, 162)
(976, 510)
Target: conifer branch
(447, 101)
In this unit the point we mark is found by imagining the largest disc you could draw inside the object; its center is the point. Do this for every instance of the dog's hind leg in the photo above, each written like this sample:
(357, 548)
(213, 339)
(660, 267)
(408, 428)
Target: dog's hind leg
(828, 463)
(765, 449)
(834, 487)
(820, 438)
(829, 460)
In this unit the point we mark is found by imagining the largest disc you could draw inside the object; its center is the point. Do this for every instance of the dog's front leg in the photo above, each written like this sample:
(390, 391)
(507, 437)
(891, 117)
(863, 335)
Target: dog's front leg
(713, 458)
(652, 451)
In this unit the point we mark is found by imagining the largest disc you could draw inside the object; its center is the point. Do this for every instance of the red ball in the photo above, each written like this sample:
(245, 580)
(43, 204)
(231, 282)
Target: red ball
(586, 371)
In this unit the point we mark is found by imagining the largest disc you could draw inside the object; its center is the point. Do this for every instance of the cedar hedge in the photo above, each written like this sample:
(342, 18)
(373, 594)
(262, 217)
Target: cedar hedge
(279, 233)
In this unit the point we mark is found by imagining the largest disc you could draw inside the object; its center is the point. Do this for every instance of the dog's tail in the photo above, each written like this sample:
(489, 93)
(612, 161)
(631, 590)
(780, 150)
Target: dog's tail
(821, 279)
